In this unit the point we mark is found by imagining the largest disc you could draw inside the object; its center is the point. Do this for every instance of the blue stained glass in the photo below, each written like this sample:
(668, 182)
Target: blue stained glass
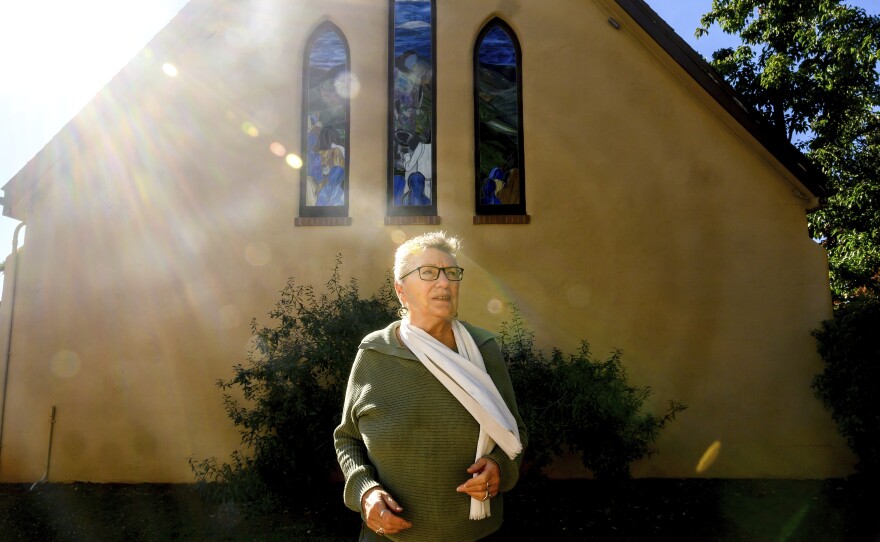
(327, 104)
(412, 103)
(327, 51)
(500, 171)
(497, 48)
(412, 28)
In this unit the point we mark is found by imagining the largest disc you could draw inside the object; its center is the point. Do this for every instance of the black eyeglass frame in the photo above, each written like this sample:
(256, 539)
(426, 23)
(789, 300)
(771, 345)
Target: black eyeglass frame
(460, 273)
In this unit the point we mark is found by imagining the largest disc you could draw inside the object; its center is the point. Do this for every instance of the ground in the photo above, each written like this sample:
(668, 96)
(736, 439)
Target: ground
(645, 509)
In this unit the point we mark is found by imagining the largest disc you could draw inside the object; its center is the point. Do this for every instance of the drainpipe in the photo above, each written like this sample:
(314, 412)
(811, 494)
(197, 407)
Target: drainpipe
(49, 453)
(9, 331)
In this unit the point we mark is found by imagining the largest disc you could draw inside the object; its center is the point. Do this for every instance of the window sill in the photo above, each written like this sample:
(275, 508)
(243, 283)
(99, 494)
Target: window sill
(322, 221)
(412, 220)
(501, 219)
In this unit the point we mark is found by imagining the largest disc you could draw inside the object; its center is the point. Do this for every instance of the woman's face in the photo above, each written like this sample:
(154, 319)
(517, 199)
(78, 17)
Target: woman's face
(429, 301)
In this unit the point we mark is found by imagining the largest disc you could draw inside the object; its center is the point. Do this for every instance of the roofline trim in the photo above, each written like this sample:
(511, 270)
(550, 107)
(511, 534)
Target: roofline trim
(720, 90)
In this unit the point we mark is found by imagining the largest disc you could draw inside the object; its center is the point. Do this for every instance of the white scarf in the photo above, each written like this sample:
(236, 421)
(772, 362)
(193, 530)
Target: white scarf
(464, 375)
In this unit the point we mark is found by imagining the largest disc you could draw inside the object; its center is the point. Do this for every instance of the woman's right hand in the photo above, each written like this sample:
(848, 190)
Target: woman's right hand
(379, 512)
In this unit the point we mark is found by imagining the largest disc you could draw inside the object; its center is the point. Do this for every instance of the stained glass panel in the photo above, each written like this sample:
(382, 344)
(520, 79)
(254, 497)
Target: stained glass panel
(326, 106)
(500, 182)
(411, 188)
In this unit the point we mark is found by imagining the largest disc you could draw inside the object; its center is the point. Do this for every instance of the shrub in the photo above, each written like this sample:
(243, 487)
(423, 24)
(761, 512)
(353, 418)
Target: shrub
(580, 404)
(850, 347)
(293, 386)
(538, 393)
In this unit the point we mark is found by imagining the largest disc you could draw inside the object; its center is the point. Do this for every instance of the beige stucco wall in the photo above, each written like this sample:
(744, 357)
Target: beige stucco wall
(658, 226)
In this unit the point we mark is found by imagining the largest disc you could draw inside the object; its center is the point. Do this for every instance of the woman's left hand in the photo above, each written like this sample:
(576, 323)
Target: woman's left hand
(485, 481)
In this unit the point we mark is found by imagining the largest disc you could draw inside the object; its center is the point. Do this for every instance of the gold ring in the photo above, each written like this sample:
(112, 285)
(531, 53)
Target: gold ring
(380, 531)
(486, 497)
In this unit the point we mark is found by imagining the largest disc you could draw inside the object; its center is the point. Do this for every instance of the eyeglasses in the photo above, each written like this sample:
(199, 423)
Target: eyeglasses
(430, 272)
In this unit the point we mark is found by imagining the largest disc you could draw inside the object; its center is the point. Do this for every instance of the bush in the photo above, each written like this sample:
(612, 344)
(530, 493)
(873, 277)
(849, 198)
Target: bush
(580, 404)
(850, 347)
(293, 387)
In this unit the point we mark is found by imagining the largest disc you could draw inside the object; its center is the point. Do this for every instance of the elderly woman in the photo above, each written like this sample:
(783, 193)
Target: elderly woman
(430, 434)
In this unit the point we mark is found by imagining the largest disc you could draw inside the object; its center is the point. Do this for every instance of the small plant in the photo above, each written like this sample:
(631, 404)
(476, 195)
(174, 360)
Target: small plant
(293, 385)
(537, 393)
(605, 422)
(850, 346)
(580, 404)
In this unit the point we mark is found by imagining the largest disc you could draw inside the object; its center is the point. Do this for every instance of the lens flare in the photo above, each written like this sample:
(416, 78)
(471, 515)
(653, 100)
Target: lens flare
(347, 85)
(228, 317)
(294, 161)
(169, 69)
(65, 363)
(257, 254)
(398, 237)
(277, 149)
(709, 457)
(249, 128)
(494, 306)
(254, 348)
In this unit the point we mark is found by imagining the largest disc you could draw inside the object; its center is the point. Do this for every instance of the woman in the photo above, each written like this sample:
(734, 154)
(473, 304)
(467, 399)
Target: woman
(424, 459)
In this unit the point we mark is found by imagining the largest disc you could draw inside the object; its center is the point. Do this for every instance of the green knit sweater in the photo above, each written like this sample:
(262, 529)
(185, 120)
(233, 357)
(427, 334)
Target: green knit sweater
(403, 430)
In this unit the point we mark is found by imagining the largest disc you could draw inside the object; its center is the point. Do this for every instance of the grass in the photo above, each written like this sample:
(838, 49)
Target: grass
(644, 509)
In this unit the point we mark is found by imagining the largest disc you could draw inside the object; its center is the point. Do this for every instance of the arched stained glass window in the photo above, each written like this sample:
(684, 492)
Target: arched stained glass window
(499, 158)
(412, 187)
(326, 107)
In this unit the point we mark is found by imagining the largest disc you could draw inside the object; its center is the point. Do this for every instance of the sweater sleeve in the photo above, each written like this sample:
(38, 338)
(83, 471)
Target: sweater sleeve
(360, 475)
(497, 370)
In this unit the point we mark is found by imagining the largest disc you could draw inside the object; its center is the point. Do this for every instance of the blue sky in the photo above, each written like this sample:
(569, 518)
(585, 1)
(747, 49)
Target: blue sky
(56, 54)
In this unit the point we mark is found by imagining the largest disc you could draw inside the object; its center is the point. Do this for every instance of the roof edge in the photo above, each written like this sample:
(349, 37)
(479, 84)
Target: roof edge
(165, 42)
(720, 90)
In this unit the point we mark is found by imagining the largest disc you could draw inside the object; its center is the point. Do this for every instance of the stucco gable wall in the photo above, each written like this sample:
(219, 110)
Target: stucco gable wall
(657, 226)
(673, 236)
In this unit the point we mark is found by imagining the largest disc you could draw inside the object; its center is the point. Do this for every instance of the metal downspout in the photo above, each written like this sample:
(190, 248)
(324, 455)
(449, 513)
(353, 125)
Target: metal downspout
(9, 331)
(49, 453)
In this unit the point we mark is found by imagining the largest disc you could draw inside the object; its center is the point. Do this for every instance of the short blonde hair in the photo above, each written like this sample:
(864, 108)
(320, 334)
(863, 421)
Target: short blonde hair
(419, 244)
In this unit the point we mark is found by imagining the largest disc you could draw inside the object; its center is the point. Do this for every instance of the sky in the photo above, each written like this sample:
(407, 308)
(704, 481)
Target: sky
(55, 55)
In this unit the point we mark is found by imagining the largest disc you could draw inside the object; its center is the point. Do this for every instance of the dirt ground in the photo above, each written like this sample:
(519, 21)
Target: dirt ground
(645, 509)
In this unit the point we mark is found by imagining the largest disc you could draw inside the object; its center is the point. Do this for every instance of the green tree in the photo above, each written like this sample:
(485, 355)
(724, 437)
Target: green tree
(850, 347)
(810, 68)
(287, 398)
